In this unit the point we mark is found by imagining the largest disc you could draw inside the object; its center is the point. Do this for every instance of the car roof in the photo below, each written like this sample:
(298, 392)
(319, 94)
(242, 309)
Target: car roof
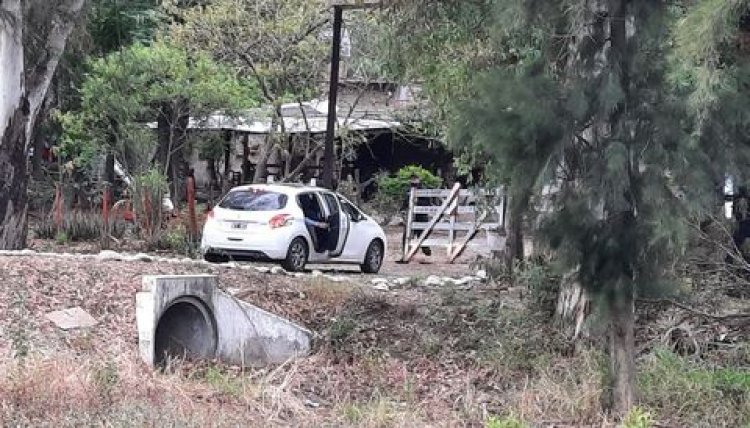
(290, 189)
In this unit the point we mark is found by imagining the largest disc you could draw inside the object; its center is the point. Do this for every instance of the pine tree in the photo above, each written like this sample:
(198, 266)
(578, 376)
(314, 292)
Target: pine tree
(594, 119)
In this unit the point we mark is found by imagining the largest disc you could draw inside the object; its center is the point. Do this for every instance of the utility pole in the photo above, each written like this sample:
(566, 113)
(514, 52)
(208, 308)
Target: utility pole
(329, 154)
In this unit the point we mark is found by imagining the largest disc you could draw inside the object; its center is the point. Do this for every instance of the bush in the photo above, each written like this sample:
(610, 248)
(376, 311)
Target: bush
(396, 187)
(542, 286)
(507, 422)
(392, 190)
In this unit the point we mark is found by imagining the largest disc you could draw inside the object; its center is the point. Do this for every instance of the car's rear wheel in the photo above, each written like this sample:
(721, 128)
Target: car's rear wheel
(296, 255)
(373, 258)
(215, 258)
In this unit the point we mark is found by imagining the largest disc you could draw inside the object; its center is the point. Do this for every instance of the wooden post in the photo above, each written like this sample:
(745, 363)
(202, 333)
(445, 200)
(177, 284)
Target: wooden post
(106, 202)
(193, 221)
(453, 213)
(57, 207)
(408, 223)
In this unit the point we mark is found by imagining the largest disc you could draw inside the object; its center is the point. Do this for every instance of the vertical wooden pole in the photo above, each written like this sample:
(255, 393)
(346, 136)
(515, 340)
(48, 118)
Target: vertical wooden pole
(328, 151)
(106, 202)
(453, 213)
(409, 221)
(193, 226)
(57, 207)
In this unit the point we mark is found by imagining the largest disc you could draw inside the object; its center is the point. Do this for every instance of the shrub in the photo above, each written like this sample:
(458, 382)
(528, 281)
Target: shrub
(392, 190)
(540, 282)
(395, 187)
(507, 422)
(638, 418)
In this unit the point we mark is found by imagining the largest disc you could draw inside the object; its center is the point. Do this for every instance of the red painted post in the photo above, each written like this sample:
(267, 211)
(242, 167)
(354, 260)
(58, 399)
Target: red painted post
(106, 202)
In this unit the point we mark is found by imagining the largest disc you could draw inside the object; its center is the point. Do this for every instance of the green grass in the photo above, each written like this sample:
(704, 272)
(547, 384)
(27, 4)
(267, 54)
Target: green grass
(692, 394)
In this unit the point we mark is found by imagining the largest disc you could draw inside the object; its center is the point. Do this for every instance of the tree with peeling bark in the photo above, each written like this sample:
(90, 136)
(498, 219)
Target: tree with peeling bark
(23, 89)
(593, 123)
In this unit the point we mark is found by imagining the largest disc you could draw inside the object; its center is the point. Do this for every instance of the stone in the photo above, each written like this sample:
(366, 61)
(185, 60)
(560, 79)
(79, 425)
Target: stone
(465, 280)
(316, 273)
(481, 274)
(434, 280)
(71, 318)
(262, 269)
(278, 270)
(401, 281)
(312, 404)
(142, 257)
(109, 255)
(187, 260)
(379, 281)
(382, 287)
(27, 252)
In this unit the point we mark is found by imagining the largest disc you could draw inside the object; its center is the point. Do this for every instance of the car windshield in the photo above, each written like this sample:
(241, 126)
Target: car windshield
(254, 200)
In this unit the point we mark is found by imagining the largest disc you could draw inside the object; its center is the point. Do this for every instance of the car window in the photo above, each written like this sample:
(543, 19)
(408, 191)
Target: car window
(254, 200)
(350, 209)
(333, 206)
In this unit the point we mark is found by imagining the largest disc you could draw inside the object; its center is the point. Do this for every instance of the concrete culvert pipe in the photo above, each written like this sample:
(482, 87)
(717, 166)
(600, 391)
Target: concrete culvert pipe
(186, 330)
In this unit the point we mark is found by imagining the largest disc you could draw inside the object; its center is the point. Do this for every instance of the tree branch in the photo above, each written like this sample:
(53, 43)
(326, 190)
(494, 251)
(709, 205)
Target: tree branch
(39, 79)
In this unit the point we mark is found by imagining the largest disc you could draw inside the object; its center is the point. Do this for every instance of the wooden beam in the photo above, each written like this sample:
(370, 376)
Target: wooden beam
(467, 239)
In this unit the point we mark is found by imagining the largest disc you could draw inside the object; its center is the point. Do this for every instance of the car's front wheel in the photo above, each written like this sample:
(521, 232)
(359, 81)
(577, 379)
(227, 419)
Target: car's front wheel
(296, 256)
(373, 258)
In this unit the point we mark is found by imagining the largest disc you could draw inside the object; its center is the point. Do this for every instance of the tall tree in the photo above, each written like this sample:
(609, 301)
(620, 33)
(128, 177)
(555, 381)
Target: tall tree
(24, 87)
(160, 83)
(276, 42)
(593, 121)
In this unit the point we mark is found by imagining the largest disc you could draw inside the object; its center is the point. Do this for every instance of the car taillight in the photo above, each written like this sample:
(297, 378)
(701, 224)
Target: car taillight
(280, 220)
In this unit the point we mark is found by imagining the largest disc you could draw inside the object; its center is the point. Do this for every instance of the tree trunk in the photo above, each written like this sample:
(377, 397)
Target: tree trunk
(14, 111)
(40, 78)
(226, 184)
(621, 308)
(622, 349)
(265, 154)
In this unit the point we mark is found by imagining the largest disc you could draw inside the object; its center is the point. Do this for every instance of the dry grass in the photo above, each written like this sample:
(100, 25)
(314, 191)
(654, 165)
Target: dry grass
(412, 358)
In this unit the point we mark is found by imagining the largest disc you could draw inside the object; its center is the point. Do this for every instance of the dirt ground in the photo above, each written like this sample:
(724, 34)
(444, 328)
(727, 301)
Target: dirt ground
(415, 356)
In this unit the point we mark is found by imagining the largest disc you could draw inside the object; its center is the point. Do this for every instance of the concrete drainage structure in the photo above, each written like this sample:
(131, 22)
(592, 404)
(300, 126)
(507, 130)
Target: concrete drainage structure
(190, 317)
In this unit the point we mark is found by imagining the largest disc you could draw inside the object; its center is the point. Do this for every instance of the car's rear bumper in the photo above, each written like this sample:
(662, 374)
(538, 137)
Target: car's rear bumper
(270, 246)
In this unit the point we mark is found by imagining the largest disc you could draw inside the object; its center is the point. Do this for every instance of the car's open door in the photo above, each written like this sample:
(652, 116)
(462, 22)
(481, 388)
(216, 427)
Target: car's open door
(338, 223)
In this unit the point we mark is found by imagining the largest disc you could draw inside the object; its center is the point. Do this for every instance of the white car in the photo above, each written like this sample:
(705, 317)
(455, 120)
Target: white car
(293, 224)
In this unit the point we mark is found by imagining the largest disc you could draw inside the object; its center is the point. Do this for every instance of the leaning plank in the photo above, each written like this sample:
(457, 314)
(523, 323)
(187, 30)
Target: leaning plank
(469, 236)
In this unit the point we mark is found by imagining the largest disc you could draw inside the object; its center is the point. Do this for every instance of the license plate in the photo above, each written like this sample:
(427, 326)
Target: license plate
(239, 226)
